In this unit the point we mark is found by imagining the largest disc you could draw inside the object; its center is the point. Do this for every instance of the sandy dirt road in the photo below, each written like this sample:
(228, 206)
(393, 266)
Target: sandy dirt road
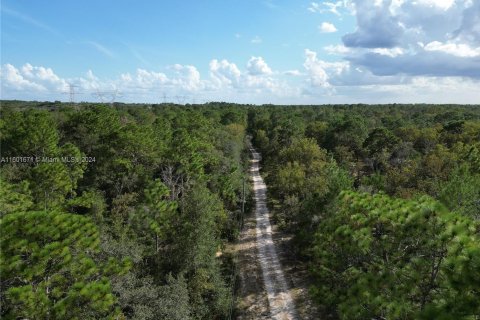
(280, 302)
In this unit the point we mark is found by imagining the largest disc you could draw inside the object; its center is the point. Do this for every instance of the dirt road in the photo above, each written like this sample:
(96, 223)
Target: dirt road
(280, 302)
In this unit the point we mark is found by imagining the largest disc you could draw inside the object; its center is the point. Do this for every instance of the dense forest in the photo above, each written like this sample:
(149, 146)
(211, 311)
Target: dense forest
(124, 211)
(383, 202)
(119, 212)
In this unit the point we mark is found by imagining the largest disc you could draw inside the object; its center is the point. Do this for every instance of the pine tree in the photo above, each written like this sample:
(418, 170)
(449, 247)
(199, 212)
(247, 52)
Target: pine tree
(48, 270)
(381, 257)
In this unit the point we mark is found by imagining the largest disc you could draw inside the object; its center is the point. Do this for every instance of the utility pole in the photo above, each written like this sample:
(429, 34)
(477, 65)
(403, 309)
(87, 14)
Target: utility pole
(243, 203)
(243, 197)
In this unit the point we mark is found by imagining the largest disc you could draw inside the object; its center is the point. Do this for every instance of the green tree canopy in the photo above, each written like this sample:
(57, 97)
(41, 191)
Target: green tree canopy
(48, 270)
(379, 257)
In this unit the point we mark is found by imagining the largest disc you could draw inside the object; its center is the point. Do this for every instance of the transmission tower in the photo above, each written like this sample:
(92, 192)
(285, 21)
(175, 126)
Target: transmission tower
(107, 96)
(72, 92)
(180, 99)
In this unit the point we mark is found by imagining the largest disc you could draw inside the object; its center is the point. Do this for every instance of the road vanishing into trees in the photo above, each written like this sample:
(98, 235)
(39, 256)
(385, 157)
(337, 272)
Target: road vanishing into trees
(280, 302)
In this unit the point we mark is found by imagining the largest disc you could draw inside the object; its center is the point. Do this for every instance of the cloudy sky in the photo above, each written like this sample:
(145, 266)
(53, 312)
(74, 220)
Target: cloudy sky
(247, 51)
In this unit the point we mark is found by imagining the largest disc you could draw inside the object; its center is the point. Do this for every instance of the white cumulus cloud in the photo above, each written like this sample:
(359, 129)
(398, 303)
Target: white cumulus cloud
(187, 77)
(258, 66)
(327, 27)
(315, 68)
(459, 50)
(367, 75)
(14, 79)
(30, 77)
(224, 73)
(391, 52)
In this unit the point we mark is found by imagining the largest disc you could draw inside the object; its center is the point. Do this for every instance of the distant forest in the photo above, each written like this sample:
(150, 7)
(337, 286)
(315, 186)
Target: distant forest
(123, 211)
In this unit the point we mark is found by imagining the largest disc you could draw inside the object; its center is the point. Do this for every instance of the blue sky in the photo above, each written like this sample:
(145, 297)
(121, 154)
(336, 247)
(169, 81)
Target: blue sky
(271, 51)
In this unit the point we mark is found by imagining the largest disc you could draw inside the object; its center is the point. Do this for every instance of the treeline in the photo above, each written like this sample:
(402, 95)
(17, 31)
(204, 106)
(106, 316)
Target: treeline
(383, 203)
(119, 211)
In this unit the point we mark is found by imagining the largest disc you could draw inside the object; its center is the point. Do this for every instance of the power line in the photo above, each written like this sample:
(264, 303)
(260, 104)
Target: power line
(111, 96)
